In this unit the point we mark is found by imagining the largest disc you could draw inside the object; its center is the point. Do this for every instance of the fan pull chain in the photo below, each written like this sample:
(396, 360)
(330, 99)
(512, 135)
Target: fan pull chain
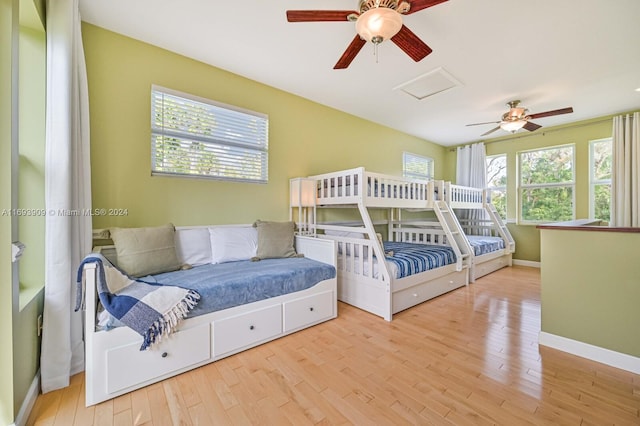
(375, 51)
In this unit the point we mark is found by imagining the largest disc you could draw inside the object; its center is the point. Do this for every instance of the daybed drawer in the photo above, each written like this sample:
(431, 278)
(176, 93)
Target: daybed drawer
(245, 330)
(128, 365)
(308, 310)
(417, 294)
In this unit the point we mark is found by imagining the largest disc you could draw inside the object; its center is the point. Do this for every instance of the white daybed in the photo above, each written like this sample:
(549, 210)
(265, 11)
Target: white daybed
(115, 365)
(369, 285)
(488, 226)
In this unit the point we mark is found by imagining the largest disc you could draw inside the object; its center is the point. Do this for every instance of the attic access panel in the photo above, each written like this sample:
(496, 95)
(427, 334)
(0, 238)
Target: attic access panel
(429, 84)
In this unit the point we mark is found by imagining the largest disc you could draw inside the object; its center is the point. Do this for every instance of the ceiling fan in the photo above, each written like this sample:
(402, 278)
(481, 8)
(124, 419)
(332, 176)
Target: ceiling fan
(376, 21)
(516, 118)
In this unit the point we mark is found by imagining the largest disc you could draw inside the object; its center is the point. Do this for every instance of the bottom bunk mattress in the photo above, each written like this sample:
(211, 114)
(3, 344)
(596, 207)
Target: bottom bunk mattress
(485, 244)
(403, 259)
(230, 284)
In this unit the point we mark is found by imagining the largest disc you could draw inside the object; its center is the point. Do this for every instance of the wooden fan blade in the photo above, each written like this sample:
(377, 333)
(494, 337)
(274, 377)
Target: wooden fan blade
(488, 122)
(418, 5)
(531, 126)
(490, 131)
(318, 15)
(411, 44)
(347, 57)
(550, 113)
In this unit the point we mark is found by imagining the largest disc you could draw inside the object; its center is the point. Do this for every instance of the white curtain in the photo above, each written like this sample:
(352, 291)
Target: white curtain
(471, 170)
(625, 177)
(67, 189)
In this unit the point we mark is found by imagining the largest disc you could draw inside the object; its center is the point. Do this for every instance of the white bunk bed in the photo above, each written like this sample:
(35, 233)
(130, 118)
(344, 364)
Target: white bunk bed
(489, 226)
(115, 365)
(362, 280)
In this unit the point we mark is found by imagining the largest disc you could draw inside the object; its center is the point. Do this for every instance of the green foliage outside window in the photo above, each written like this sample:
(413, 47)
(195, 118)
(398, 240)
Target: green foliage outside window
(601, 158)
(497, 183)
(546, 182)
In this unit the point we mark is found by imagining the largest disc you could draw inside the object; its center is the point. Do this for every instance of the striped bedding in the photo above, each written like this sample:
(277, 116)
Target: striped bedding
(483, 245)
(410, 258)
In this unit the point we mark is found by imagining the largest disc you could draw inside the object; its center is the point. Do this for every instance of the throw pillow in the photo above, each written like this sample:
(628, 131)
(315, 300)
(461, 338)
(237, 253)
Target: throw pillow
(275, 239)
(233, 243)
(145, 251)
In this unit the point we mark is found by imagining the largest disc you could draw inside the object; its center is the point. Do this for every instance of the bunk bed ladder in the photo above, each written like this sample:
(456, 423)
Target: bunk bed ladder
(501, 226)
(453, 231)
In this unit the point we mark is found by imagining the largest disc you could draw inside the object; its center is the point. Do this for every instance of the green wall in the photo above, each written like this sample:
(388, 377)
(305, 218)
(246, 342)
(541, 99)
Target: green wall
(527, 237)
(304, 138)
(591, 288)
(8, 66)
(22, 84)
(32, 92)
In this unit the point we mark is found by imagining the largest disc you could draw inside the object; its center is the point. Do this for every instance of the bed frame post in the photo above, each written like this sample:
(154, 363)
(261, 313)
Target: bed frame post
(379, 252)
(89, 277)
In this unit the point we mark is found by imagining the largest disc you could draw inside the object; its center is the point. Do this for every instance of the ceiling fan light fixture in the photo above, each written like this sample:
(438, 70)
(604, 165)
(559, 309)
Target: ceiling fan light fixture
(378, 24)
(512, 126)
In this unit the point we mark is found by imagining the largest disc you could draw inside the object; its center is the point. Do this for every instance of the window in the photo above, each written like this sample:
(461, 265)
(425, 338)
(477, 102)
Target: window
(547, 182)
(196, 137)
(497, 182)
(416, 166)
(600, 157)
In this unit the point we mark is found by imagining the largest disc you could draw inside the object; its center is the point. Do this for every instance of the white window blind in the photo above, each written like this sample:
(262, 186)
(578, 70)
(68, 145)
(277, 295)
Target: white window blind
(192, 136)
(416, 166)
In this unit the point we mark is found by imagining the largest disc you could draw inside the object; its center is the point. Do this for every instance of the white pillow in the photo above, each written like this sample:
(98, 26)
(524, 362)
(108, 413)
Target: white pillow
(193, 246)
(230, 244)
(346, 234)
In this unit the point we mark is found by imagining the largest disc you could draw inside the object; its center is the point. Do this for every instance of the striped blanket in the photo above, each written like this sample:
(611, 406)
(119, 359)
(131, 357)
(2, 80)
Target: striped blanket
(413, 258)
(152, 310)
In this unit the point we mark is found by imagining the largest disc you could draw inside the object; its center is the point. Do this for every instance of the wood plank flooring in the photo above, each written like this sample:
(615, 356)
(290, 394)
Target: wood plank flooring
(469, 357)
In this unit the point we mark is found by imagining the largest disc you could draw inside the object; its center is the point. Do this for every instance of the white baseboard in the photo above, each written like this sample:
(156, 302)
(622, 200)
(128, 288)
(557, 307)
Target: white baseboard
(594, 353)
(29, 401)
(530, 263)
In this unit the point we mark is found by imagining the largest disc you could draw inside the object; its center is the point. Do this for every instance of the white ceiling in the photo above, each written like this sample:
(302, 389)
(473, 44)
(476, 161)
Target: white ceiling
(550, 54)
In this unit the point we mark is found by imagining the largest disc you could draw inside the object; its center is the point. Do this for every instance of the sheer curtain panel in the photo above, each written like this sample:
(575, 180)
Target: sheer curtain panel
(625, 177)
(471, 170)
(67, 188)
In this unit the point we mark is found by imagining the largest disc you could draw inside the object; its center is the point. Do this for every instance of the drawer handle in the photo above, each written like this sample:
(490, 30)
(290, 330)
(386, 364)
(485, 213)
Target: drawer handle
(164, 354)
(311, 309)
(415, 294)
(251, 327)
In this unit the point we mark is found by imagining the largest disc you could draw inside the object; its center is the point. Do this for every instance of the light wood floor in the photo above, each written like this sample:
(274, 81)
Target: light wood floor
(469, 357)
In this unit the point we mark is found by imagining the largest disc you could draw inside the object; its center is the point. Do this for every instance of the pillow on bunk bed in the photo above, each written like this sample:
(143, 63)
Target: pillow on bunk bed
(275, 240)
(193, 246)
(346, 234)
(145, 251)
(233, 243)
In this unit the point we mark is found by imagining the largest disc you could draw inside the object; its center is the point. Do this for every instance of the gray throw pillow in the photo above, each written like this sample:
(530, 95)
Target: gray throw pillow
(275, 240)
(145, 251)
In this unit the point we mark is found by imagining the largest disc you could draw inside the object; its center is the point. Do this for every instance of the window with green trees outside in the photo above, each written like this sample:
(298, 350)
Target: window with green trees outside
(547, 185)
(600, 157)
(497, 182)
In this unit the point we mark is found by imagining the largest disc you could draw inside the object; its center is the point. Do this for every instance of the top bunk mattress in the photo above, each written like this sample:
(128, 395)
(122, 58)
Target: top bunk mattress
(484, 244)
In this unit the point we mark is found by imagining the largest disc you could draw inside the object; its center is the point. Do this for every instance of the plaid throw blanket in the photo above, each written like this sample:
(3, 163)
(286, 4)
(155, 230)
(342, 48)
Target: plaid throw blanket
(152, 310)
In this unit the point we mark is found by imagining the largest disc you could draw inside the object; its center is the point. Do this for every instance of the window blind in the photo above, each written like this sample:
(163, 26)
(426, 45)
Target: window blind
(196, 137)
(416, 166)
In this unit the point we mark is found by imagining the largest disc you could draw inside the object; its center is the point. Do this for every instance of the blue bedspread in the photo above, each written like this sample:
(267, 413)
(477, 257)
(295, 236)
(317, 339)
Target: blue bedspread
(483, 245)
(411, 258)
(226, 285)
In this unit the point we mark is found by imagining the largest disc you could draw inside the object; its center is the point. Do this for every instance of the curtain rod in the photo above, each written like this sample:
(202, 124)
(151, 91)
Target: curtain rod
(571, 126)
